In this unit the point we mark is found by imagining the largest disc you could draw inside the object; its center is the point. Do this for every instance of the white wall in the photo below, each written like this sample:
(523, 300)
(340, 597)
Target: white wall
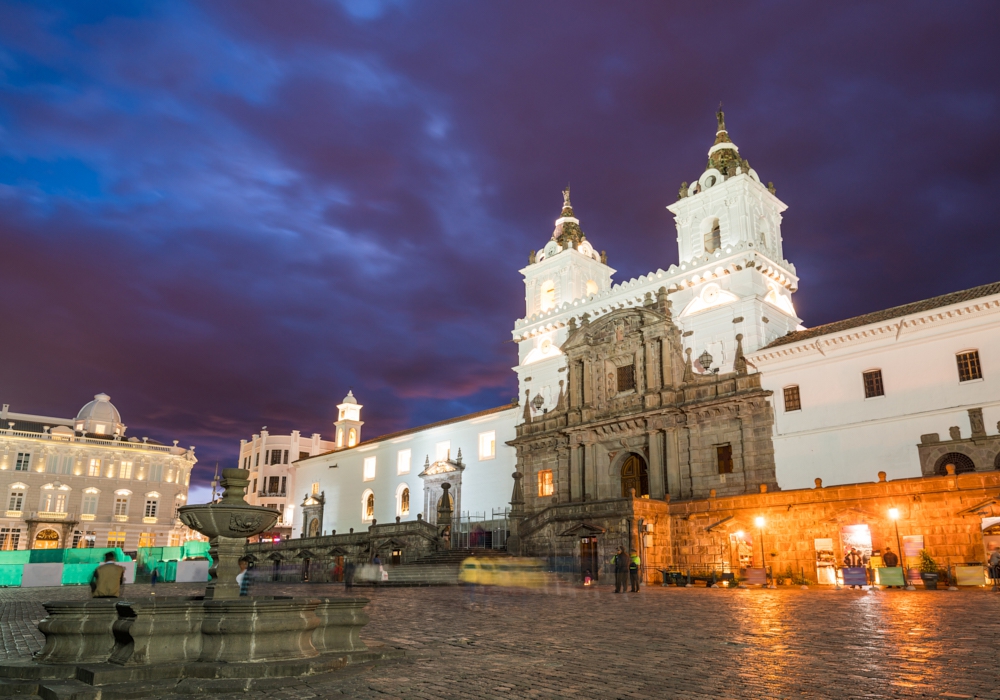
(842, 437)
(486, 484)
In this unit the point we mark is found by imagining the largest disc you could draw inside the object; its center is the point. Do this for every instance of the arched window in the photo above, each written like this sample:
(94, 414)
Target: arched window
(591, 287)
(962, 463)
(713, 235)
(368, 506)
(352, 438)
(548, 298)
(403, 500)
(635, 475)
(340, 437)
(314, 527)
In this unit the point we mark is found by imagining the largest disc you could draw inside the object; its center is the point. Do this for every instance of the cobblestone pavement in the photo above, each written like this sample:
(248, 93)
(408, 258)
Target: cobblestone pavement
(659, 643)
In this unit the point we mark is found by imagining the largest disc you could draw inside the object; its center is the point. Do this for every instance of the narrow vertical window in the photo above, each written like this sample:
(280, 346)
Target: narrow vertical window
(724, 456)
(403, 458)
(369, 469)
(545, 485)
(873, 383)
(95, 468)
(792, 400)
(968, 366)
(488, 445)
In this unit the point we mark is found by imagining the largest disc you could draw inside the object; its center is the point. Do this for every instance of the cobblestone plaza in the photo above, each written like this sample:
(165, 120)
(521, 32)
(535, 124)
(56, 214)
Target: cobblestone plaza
(660, 643)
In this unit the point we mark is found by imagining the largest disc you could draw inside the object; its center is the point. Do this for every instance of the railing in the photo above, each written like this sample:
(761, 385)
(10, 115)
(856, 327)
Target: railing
(51, 515)
(120, 518)
(87, 516)
(117, 444)
(13, 514)
(148, 520)
(273, 494)
(476, 531)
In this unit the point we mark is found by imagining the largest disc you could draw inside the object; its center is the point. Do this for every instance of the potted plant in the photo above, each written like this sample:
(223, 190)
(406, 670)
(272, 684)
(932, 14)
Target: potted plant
(928, 570)
(788, 577)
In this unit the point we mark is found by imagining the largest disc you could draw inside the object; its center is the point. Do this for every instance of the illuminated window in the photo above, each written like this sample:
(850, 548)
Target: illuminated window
(89, 539)
(442, 451)
(724, 455)
(548, 300)
(591, 287)
(792, 401)
(368, 506)
(873, 383)
(121, 505)
(402, 500)
(340, 436)
(713, 236)
(151, 505)
(968, 365)
(403, 462)
(10, 537)
(369, 469)
(147, 539)
(53, 502)
(545, 485)
(23, 462)
(116, 539)
(100, 428)
(488, 445)
(352, 438)
(315, 488)
(125, 470)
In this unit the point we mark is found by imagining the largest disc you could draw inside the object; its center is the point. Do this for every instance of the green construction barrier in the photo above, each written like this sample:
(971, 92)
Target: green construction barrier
(91, 556)
(10, 574)
(18, 556)
(45, 556)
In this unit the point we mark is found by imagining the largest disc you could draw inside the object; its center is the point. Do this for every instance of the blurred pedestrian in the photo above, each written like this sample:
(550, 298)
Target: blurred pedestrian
(633, 571)
(853, 560)
(154, 577)
(243, 578)
(348, 575)
(994, 564)
(621, 570)
(890, 560)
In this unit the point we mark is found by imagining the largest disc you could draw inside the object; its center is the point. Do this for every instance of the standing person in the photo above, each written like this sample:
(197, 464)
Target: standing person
(994, 564)
(154, 577)
(621, 570)
(348, 575)
(633, 571)
(377, 563)
(243, 578)
(852, 560)
(890, 560)
(107, 579)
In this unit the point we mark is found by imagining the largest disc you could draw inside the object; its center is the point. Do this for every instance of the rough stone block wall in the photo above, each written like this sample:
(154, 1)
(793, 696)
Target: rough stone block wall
(947, 511)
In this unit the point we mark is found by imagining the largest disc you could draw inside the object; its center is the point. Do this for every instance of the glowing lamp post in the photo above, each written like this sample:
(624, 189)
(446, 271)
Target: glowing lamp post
(759, 522)
(894, 516)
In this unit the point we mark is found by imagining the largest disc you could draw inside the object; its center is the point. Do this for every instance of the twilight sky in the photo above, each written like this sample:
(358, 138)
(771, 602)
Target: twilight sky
(223, 214)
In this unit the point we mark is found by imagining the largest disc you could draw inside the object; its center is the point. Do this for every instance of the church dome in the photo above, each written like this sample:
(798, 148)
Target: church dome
(350, 397)
(100, 417)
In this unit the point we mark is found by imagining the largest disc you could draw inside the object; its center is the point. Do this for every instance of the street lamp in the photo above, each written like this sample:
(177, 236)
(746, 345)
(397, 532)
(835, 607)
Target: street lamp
(894, 516)
(759, 522)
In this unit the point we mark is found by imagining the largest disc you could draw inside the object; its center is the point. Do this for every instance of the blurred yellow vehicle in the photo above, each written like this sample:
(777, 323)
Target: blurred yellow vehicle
(513, 572)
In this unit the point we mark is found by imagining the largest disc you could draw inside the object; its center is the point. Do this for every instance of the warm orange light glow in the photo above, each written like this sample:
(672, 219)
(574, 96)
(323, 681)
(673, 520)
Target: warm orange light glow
(759, 521)
(739, 534)
(894, 513)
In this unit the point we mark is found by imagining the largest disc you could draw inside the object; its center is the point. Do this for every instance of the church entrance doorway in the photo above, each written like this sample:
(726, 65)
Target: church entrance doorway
(635, 475)
(589, 564)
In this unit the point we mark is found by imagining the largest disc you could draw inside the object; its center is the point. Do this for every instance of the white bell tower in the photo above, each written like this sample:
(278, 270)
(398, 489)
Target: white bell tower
(566, 270)
(734, 279)
(348, 423)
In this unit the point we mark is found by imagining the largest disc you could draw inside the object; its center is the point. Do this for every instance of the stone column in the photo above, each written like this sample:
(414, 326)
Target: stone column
(590, 470)
(673, 463)
(225, 553)
(656, 485)
(575, 494)
(564, 479)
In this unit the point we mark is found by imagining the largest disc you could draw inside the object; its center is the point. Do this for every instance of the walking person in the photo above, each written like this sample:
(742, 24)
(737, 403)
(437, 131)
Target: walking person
(377, 563)
(620, 562)
(348, 575)
(107, 579)
(633, 571)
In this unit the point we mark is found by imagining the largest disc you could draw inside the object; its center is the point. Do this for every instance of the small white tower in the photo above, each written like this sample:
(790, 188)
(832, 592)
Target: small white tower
(733, 275)
(348, 423)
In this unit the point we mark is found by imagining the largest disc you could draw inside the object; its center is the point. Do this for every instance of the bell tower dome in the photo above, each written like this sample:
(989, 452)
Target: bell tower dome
(348, 423)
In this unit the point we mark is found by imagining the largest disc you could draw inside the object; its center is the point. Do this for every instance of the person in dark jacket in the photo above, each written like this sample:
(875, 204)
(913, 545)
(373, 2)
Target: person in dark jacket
(853, 560)
(621, 570)
(633, 571)
(108, 578)
(348, 575)
(890, 560)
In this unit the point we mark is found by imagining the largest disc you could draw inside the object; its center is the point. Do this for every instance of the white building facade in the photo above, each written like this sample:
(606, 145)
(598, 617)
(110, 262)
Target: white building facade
(81, 482)
(730, 294)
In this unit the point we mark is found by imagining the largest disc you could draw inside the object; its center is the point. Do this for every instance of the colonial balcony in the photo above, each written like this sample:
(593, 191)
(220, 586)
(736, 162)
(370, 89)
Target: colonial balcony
(47, 515)
(87, 516)
(271, 494)
(120, 518)
(149, 521)
(13, 514)
(118, 444)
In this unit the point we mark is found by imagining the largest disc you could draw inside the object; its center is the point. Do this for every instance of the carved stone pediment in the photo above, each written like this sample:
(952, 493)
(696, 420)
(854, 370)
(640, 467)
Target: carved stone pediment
(442, 466)
(621, 329)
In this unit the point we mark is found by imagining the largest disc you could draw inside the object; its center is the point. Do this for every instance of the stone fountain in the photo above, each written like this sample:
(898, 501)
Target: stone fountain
(220, 635)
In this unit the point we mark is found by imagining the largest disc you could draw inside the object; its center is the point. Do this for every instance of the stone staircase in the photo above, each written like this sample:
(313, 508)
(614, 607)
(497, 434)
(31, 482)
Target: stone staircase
(437, 569)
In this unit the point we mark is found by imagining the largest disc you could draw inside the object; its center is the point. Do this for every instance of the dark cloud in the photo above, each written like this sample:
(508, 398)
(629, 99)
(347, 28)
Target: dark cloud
(225, 214)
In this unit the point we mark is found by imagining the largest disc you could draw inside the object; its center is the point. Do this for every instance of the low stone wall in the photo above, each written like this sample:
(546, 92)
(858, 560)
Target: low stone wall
(947, 511)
